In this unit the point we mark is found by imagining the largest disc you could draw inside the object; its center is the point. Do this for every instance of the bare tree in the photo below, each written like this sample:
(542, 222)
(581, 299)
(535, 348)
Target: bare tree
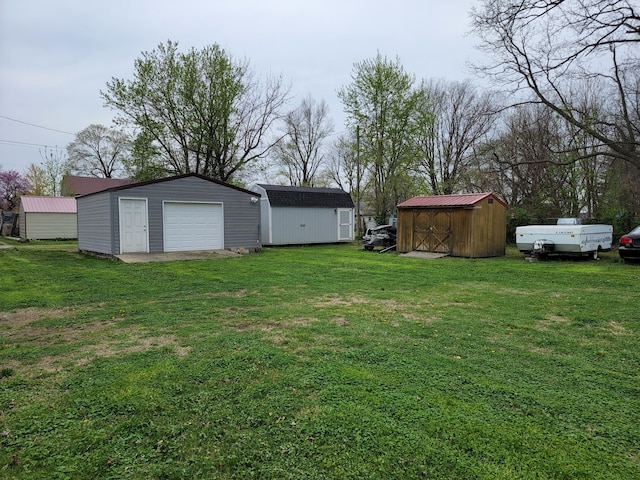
(55, 167)
(98, 151)
(457, 119)
(541, 165)
(300, 152)
(348, 169)
(546, 46)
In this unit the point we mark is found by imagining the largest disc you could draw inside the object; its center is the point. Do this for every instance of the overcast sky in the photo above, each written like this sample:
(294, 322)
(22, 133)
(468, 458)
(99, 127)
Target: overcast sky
(56, 56)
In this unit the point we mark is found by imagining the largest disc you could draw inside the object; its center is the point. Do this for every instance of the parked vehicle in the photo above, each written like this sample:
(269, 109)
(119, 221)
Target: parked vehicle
(629, 246)
(567, 237)
(381, 236)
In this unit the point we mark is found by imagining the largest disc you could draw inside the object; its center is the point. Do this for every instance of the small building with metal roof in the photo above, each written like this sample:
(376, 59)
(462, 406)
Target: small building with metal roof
(465, 225)
(293, 215)
(42, 218)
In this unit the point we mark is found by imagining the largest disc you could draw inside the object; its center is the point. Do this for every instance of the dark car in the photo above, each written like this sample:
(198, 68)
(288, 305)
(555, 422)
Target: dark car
(629, 246)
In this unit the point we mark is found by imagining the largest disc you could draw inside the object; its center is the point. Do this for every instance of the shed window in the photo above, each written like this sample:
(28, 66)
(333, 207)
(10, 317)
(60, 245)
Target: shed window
(491, 200)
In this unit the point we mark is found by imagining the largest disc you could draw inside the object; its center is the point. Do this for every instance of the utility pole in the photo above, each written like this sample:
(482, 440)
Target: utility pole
(358, 178)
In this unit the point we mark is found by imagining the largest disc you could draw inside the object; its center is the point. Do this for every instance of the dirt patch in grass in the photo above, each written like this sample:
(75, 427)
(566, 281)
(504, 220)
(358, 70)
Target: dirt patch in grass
(341, 322)
(331, 301)
(20, 318)
(238, 294)
(134, 344)
(82, 341)
(550, 321)
(616, 329)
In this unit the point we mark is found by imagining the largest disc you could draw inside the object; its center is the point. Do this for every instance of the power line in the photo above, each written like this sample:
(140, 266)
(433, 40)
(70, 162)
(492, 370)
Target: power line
(29, 145)
(34, 125)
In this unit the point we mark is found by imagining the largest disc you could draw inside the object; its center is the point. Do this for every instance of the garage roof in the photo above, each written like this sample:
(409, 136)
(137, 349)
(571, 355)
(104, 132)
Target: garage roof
(288, 196)
(461, 200)
(170, 179)
(36, 204)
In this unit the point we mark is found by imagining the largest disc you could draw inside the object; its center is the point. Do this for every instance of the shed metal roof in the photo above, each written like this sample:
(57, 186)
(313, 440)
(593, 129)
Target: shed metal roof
(288, 196)
(36, 204)
(461, 200)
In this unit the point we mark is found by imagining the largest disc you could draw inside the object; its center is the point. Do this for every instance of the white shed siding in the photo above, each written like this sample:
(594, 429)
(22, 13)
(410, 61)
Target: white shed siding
(43, 226)
(299, 226)
(304, 215)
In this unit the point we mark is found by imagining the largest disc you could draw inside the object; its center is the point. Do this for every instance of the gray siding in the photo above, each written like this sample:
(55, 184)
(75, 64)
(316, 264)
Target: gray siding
(241, 216)
(94, 224)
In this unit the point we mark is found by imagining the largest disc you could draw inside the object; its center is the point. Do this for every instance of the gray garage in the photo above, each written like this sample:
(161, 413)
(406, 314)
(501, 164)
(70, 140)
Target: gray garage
(175, 214)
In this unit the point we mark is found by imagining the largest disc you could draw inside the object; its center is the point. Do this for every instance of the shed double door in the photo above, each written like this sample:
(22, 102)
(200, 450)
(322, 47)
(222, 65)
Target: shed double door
(432, 231)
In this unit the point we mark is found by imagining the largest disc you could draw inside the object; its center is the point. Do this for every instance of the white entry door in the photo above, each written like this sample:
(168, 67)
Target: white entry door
(345, 224)
(193, 226)
(133, 225)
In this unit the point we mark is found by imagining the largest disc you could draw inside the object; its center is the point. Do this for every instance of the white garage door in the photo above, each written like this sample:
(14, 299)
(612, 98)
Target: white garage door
(193, 226)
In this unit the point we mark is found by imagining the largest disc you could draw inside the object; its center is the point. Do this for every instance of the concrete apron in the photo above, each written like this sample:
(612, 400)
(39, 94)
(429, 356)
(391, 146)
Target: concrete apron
(173, 256)
(429, 255)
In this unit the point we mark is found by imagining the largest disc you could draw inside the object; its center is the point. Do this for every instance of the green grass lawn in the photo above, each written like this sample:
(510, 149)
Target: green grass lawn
(324, 362)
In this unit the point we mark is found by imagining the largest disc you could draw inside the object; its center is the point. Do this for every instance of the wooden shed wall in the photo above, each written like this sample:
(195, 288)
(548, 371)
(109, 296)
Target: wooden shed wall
(489, 229)
(474, 231)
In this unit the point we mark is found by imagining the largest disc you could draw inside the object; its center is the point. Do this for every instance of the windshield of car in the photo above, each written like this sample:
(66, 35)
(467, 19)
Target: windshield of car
(635, 231)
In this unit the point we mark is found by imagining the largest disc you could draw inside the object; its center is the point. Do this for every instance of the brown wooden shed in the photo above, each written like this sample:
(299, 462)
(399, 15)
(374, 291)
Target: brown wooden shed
(467, 225)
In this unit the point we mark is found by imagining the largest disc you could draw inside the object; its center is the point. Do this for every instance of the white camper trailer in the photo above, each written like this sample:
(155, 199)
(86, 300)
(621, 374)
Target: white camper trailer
(567, 237)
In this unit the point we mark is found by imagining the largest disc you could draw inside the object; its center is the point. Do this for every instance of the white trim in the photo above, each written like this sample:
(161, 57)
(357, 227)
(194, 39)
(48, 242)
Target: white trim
(350, 224)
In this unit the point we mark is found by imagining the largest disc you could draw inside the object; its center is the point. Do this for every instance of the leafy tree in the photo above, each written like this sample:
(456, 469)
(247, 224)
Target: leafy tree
(549, 47)
(12, 186)
(198, 111)
(382, 104)
(300, 152)
(36, 177)
(145, 162)
(98, 151)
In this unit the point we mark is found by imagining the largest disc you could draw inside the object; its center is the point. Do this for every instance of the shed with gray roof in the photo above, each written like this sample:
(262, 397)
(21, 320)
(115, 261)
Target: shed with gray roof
(305, 215)
(182, 213)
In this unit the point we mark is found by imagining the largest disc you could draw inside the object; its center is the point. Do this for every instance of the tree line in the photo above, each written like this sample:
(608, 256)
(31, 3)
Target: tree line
(555, 135)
